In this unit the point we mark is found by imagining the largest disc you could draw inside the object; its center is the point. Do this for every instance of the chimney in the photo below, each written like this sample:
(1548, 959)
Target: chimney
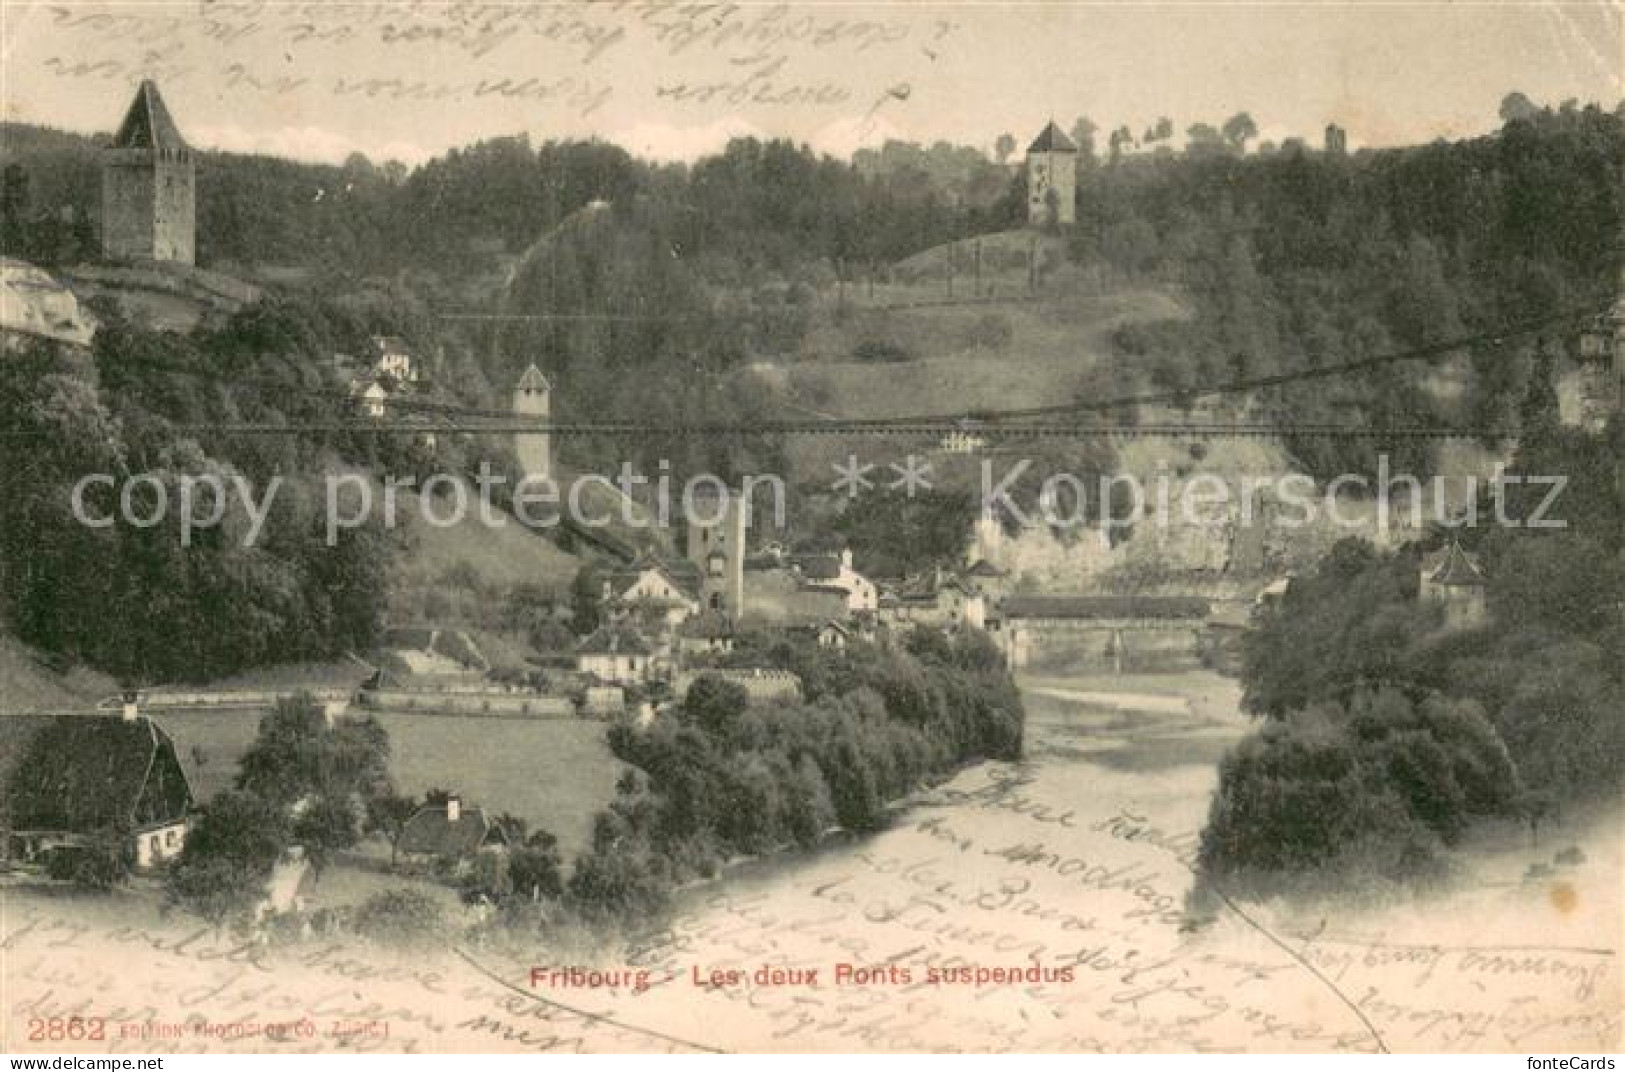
(846, 559)
(454, 809)
(131, 709)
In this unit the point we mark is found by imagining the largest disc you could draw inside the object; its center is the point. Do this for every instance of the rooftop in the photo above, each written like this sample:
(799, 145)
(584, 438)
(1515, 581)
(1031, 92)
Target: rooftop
(1052, 140)
(84, 773)
(681, 574)
(1453, 568)
(707, 625)
(614, 640)
(533, 380)
(148, 124)
(430, 831)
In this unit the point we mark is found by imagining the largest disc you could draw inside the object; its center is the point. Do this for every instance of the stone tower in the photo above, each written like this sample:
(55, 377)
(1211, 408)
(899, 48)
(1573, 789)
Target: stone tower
(149, 187)
(716, 544)
(533, 398)
(1052, 179)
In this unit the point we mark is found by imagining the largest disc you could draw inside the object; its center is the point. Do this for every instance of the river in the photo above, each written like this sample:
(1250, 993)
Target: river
(1078, 860)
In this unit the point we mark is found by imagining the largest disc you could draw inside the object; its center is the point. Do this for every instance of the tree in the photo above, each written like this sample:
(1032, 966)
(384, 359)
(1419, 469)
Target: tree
(1004, 147)
(1121, 143)
(487, 880)
(388, 815)
(714, 704)
(298, 754)
(1238, 130)
(324, 825)
(14, 211)
(1083, 136)
(228, 856)
(1516, 107)
(587, 599)
(535, 867)
(1203, 138)
(1538, 415)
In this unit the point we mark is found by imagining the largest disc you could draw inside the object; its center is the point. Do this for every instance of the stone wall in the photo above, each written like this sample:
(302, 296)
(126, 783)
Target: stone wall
(149, 206)
(473, 704)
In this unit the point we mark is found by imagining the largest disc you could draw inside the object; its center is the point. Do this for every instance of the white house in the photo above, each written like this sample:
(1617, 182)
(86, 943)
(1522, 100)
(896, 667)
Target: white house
(616, 654)
(392, 358)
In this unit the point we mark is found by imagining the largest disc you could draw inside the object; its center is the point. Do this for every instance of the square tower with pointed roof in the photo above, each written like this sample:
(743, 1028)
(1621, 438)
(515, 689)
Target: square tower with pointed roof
(533, 397)
(149, 186)
(1052, 179)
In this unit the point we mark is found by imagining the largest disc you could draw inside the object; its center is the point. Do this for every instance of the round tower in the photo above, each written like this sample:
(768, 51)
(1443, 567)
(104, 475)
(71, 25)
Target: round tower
(533, 400)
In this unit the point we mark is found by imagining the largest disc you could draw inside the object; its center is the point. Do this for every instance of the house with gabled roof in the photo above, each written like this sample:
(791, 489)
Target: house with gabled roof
(937, 598)
(835, 573)
(617, 654)
(708, 632)
(653, 588)
(451, 832)
(426, 651)
(986, 579)
(74, 781)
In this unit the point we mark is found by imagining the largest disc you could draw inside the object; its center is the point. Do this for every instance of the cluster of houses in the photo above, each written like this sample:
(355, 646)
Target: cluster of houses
(663, 615)
(385, 371)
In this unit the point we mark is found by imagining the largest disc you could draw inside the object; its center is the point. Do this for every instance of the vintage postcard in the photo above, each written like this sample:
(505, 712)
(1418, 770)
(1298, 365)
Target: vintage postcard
(578, 526)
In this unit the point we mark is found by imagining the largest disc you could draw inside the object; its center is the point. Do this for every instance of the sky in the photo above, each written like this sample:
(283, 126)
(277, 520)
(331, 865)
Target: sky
(408, 79)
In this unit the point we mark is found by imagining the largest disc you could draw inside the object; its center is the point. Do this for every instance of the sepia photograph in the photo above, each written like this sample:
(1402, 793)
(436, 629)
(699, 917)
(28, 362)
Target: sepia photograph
(811, 527)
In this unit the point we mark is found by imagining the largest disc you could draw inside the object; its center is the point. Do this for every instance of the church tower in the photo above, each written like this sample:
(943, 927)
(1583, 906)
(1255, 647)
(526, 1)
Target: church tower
(1052, 179)
(533, 398)
(149, 186)
(717, 520)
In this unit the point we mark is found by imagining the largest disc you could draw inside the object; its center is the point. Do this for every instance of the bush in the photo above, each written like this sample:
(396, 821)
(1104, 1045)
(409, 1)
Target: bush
(619, 882)
(535, 870)
(1375, 788)
(402, 918)
(99, 866)
(487, 880)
